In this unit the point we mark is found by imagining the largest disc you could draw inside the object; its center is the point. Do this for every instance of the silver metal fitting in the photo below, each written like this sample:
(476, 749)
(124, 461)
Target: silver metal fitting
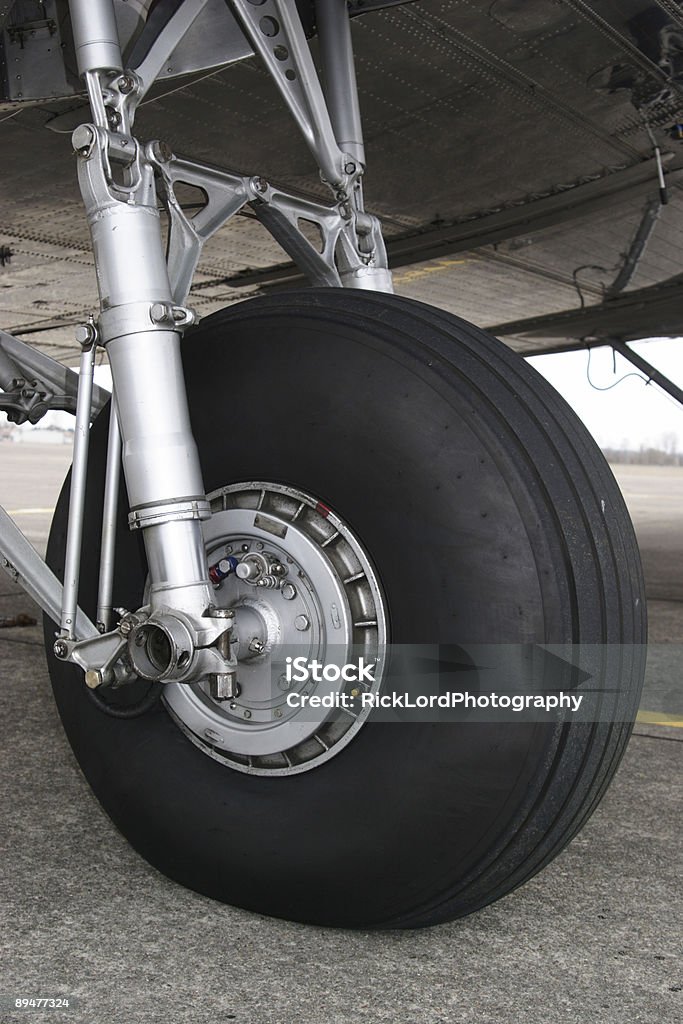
(83, 139)
(269, 582)
(160, 312)
(169, 512)
(126, 84)
(60, 649)
(224, 686)
(126, 625)
(161, 151)
(175, 316)
(93, 678)
(161, 648)
(220, 613)
(251, 568)
(370, 278)
(86, 334)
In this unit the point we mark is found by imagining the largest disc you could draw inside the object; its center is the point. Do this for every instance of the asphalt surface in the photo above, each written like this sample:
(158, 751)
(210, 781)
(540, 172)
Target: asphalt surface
(596, 937)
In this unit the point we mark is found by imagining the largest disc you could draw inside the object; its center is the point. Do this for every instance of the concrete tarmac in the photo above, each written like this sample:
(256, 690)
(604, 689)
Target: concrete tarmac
(596, 937)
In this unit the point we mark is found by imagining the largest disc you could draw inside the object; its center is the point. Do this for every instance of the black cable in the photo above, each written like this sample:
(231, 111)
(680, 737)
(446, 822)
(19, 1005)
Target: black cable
(575, 278)
(609, 387)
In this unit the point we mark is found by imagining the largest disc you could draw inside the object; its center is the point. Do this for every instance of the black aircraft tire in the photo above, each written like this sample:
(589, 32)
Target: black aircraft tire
(491, 518)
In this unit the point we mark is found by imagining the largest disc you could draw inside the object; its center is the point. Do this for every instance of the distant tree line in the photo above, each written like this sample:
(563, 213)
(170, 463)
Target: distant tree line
(643, 457)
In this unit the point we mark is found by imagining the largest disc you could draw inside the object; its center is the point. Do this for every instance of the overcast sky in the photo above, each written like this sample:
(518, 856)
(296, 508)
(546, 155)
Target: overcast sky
(632, 413)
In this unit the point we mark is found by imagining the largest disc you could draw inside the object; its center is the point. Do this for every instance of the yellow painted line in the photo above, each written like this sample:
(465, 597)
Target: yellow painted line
(30, 511)
(659, 718)
(436, 267)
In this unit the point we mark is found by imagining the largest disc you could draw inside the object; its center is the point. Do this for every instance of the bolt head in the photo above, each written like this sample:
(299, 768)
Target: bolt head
(82, 138)
(126, 84)
(60, 649)
(302, 623)
(288, 591)
(159, 313)
(93, 678)
(161, 151)
(246, 713)
(350, 168)
(85, 334)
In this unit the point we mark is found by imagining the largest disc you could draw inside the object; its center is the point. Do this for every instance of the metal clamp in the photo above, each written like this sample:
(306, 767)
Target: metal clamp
(169, 512)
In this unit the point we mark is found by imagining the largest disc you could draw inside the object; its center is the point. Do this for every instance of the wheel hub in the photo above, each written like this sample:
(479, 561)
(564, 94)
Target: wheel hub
(301, 587)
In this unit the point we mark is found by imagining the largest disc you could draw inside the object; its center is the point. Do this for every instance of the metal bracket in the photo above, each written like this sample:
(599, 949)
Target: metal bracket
(226, 193)
(344, 233)
(33, 383)
(350, 252)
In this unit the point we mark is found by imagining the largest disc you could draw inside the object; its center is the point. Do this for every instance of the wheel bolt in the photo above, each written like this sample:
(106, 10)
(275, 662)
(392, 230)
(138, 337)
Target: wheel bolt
(302, 623)
(288, 591)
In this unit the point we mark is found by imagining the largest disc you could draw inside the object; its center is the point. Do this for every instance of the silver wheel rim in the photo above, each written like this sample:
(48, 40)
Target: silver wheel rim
(324, 605)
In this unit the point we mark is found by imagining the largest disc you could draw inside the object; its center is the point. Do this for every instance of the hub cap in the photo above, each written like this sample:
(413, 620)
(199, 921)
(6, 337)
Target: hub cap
(301, 587)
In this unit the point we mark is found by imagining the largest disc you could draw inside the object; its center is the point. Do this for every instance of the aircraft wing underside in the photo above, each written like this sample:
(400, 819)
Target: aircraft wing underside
(511, 152)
